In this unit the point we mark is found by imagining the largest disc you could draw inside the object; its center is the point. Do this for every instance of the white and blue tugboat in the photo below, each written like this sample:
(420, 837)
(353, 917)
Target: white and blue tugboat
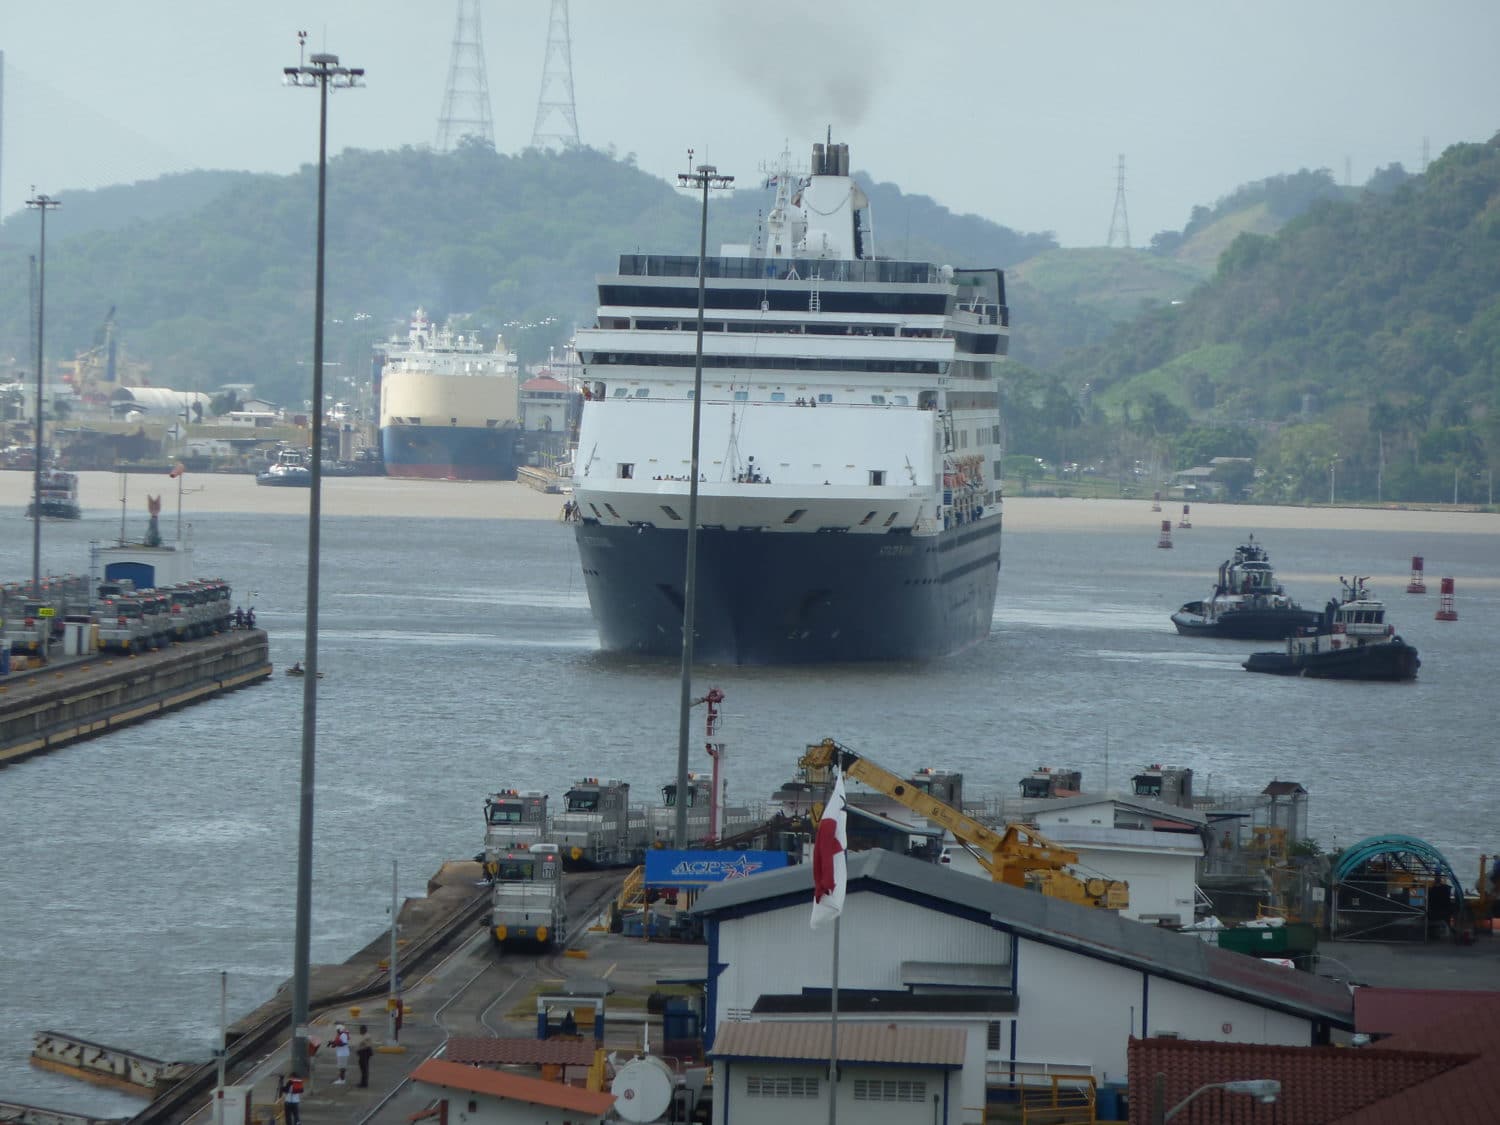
(849, 484)
(1247, 604)
(1353, 641)
(289, 470)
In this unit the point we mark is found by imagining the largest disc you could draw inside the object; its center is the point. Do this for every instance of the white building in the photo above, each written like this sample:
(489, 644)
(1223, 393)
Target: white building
(775, 1072)
(473, 1095)
(1153, 846)
(1067, 985)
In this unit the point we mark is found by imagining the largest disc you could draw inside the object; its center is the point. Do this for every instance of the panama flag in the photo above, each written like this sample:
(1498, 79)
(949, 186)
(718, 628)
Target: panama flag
(830, 870)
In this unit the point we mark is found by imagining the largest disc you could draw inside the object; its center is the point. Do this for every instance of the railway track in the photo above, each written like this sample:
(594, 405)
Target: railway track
(428, 955)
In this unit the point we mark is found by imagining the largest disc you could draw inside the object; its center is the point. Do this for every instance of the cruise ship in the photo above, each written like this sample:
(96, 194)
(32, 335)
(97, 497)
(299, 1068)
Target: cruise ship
(849, 472)
(449, 407)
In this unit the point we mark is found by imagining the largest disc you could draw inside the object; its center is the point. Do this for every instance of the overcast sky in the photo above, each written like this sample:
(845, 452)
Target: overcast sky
(1013, 111)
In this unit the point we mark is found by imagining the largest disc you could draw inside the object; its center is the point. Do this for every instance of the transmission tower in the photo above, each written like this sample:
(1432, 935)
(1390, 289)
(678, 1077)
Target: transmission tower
(1119, 222)
(466, 101)
(1426, 152)
(556, 114)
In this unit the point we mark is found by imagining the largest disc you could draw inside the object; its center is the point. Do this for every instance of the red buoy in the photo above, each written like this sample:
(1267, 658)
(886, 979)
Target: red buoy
(1417, 585)
(1156, 501)
(1184, 521)
(1446, 612)
(1166, 534)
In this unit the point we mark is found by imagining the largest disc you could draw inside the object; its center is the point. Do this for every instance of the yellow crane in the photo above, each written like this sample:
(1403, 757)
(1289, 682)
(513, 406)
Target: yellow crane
(1020, 856)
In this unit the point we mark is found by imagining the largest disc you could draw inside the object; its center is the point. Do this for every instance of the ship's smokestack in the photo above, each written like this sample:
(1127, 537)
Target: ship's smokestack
(817, 158)
(843, 160)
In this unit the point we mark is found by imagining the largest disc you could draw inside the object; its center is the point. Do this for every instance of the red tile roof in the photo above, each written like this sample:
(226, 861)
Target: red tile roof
(1464, 1095)
(486, 1051)
(1319, 1085)
(1392, 1011)
(543, 383)
(514, 1087)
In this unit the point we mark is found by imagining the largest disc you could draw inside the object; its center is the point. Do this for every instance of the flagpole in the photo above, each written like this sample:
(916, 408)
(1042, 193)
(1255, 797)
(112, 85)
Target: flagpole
(833, 1032)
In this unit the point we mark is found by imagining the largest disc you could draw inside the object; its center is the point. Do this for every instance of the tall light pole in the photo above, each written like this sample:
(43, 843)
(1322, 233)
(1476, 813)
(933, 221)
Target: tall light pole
(703, 177)
(324, 72)
(42, 203)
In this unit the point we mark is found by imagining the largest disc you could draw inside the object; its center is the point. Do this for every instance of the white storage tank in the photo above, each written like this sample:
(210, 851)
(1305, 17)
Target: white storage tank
(643, 1089)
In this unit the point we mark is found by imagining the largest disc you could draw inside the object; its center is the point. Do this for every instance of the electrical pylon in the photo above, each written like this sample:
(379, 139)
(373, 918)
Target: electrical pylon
(1119, 222)
(556, 114)
(466, 101)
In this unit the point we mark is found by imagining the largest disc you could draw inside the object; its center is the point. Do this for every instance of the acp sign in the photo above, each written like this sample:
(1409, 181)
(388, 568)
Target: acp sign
(700, 869)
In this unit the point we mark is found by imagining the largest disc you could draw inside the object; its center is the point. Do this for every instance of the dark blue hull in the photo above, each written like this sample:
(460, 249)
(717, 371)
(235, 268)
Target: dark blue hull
(450, 452)
(780, 598)
(1396, 660)
(1266, 624)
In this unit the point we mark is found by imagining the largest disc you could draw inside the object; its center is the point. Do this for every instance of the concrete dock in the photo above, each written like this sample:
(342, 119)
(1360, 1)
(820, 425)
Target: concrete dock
(453, 983)
(64, 701)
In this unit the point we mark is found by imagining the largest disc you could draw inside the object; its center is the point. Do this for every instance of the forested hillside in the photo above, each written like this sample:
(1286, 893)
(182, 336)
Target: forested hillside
(1365, 333)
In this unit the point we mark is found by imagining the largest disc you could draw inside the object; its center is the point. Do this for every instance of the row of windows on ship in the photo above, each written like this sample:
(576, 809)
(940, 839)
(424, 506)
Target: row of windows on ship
(981, 343)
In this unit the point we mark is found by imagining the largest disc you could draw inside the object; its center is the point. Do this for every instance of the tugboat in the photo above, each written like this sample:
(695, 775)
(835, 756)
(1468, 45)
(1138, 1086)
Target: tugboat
(289, 471)
(59, 496)
(1247, 604)
(1353, 641)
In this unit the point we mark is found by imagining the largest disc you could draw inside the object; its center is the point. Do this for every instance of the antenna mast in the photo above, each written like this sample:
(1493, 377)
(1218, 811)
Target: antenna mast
(466, 101)
(556, 113)
(1119, 222)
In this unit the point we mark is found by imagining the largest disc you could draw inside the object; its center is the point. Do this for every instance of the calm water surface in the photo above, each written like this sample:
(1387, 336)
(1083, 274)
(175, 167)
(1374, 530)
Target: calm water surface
(460, 658)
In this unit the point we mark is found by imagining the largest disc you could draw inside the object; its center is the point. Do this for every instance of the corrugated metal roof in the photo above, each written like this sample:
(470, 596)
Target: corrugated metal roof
(1087, 930)
(858, 1043)
(515, 1087)
(866, 1003)
(482, 1051)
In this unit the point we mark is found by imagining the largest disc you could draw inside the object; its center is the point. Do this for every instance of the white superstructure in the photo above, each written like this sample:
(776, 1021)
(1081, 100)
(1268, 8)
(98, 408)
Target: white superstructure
(843, 395)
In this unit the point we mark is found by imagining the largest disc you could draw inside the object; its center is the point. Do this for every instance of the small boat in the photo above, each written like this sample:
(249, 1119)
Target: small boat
(1247, 604)
(59, 496)
(289, 471)
(297, 670)
(1353, 641)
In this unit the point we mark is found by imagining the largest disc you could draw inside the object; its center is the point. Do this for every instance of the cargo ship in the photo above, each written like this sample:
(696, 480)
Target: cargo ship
(449, 406)
(850, 467)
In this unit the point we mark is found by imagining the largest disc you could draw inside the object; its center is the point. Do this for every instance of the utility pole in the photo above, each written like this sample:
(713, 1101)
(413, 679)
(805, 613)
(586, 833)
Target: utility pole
(324, 72)
(703, 177)
(393, 1002)
(556, 112)
(468, 86)
(43, 204)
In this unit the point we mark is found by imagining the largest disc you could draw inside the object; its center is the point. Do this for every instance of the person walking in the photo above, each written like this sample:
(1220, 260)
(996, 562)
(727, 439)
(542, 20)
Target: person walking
(362, 1051)
(291, 1100)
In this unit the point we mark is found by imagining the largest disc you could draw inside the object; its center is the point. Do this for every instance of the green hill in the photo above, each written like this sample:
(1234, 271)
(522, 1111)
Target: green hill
(1117, 283)
(1366, 330)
